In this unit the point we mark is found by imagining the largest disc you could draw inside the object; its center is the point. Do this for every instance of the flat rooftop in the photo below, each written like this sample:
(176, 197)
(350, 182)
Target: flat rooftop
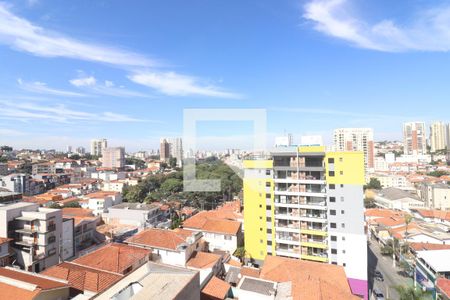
(155, 281)
(259, 286)
(135, 206)
(439, 260)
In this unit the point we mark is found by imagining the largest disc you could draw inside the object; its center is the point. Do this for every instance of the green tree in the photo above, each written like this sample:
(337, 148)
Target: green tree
(3, 159)
(173, 162)
(176, 221)
(73, 204)
(75, 156)
(172, 185)
(410, 293)
(437, 173)
(240, 253)
(369, 203)
(408, 219)
(374, 184)
(139, 163)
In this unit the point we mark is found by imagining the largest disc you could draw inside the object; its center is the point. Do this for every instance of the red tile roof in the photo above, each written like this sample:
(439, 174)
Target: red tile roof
(310, 280)
(250, 272)
(377, 212)
(434, 213)
(205, 222)
(427, 246)
(390, 221)
(114, 257)
(83, 278)
(160, 238)
(203, 260)
(215, 289)
(9, 291)
(443, 285)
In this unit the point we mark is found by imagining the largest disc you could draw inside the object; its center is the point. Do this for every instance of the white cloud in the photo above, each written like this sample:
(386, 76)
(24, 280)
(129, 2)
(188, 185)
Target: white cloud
(173, 84)
(42, 88)
(430, 30)
(25, 36)
(86, 81)
(10, 132)
(57, 113)
(108, 88)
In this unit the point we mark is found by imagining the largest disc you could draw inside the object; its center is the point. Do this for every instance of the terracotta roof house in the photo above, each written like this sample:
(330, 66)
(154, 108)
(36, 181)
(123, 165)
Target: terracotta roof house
(116, 258)
(209, 264)
(83, 279)
(17, 284)
(215, 289)
(310, 280)
(221, 234)
(173, 247)
(443, 288)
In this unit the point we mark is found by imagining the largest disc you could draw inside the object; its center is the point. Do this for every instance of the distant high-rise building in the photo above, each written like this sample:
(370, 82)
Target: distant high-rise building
(69, 149)
(97, 146)
(356, 139)
(176, 150)
(439, 136)
(80, 150)
(164, 149)
(414, 138)
(113, 157)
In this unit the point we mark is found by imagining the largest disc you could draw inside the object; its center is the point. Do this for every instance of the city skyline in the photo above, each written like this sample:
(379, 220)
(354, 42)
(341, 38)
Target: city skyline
(114, 79)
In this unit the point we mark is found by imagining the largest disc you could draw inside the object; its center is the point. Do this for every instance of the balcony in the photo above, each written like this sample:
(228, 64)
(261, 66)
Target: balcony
(27, 242)
(315, 231)
(315, 257)
(289, 252)
(320, 244)
(27, 230)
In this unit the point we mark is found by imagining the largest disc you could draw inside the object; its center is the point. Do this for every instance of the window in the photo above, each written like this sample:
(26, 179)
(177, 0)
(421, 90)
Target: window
(267, 184)
(260, 218)
(332, 199)
(341, 172)
(332, 212)
(333, 225)
(260, 206)
(268, 207)
(342, 199)
(331, 160)
(268, 196)
(341, 159)
(269, 230)
(331, 186)
(333, 251)
(269, 243)
(343, 225)
(342, 212)
(261, 241)
(268, 219)
(342, 185)
(333, 238)
(267, 172)
(343, 238)
(344, 264)
(260, 228)
(343, 251)
(331, 173)
(334, 263)
(51, 239)
(228, 237)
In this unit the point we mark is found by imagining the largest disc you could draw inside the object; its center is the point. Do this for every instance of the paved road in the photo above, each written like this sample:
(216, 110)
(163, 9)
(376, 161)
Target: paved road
(391, 274)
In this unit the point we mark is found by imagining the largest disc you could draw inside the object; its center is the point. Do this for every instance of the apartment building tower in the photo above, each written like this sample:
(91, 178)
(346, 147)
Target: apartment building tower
(414, 138)
(97, 146)
(164, 150)
(176, 149)
(439, 136)
(36, 234)
(113, 158)
(356, 139)
(306, 203)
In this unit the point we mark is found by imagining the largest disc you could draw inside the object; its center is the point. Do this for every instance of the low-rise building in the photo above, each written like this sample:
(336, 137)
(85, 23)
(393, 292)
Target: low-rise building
(85, 224)
(443, 288)
(172, 247)
(221, 234)
(394, 198)
(208, 264)
(36, 232)
(17, 284)
(156, 281)
(435, 196)
(431, 265)
(100, 202)
(136, 214)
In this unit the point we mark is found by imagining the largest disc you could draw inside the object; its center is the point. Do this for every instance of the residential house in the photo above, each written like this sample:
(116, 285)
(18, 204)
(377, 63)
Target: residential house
(431, 265)
(17, 284)
(172, 247)
(221, 234)
(394, 198)
(136, 214)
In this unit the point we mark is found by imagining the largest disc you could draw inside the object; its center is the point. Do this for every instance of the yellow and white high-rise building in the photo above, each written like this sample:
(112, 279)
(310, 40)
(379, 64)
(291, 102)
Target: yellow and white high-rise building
(306, 203)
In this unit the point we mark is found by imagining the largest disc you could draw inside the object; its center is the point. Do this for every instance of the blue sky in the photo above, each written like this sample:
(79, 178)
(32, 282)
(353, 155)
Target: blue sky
(76, 70)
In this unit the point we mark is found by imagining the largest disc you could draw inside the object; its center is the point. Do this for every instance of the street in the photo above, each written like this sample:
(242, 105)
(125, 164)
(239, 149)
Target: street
(392, 276)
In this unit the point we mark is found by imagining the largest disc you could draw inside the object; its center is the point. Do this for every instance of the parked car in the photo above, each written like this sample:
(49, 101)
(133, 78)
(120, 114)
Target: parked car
(378, 276)
(378, 295)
